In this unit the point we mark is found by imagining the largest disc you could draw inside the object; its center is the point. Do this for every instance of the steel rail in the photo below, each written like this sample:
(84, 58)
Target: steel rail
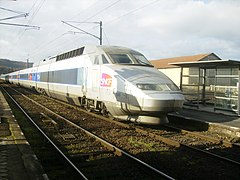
(165, 140)
(117, 150)
(214, 140)
(45, 135)
(225, 143)
(212, 154)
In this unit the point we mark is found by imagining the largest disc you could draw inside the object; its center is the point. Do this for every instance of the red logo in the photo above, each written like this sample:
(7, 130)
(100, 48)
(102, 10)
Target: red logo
(30, 76)
(106, 80)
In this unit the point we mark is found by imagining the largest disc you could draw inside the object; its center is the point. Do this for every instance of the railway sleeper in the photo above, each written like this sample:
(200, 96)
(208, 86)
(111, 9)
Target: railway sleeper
(91, 154)
(73, 142)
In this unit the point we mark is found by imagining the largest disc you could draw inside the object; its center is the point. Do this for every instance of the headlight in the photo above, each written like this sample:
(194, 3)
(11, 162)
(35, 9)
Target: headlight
(158, 87)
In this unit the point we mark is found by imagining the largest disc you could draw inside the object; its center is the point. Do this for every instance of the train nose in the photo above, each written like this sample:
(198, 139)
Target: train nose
(163, 102)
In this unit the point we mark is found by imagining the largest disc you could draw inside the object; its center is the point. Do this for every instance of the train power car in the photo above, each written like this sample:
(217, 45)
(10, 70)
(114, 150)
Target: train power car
(113, 80)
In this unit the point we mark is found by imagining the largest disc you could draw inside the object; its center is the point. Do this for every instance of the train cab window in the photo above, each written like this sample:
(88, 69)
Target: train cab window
(96, 60)
(121, 58)
(141, 59)
(104, 60)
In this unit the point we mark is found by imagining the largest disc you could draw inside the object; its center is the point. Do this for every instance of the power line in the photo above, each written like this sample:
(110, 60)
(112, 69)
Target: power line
(34, 14)
(20, 34)
(20, 25)
(13, 17)
(104, 9)
(106, 37)
(27, 26)
(90, 6)
(10, 10)
(42, 44)
(132, 11)
(85, 21)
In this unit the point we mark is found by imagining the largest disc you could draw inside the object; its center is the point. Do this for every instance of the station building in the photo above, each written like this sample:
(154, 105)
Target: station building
(207, 81)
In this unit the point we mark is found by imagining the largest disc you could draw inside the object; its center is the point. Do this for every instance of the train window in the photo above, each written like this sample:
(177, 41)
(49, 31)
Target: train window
(96, 60)
(71, 54)
(74, 53)
(141, 59)
(68, 76)
(65, 56)
(23, 76)
(80, 51)
(44, 76)
(68, 55)
(121, 58)
(104, 60)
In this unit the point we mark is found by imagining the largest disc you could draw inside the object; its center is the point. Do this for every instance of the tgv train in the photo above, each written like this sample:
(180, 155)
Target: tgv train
(113, 80)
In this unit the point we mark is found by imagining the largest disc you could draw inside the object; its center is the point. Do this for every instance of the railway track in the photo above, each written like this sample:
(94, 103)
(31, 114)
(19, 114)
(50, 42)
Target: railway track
(207, 144)
(223, 150)
(86, 152)
(160, 147)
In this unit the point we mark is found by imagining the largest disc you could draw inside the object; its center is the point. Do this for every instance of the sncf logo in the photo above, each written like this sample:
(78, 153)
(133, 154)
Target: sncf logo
(106, 80)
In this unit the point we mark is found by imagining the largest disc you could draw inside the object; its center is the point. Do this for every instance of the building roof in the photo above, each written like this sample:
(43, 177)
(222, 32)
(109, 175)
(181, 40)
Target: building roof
(209, 64)
(167, 63)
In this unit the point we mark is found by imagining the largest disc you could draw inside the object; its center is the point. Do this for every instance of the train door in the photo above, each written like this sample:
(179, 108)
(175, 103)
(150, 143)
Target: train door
(50, 82)
(95, 76)
(120, 92)
(50, 78)
(82, 80)
(95, 72)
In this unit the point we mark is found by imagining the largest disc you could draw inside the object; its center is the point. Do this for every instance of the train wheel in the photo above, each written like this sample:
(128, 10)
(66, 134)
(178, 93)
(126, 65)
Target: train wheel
(104, 111)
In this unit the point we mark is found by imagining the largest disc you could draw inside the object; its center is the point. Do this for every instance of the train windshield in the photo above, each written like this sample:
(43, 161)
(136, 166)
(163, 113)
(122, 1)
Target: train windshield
(141, 59)
(133, 58)
(121, 58)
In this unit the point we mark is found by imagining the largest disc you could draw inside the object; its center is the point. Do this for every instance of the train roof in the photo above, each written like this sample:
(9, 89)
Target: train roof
(87, 49)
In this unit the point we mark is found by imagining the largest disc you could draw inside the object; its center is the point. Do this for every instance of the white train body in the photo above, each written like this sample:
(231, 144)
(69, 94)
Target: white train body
(110, 79)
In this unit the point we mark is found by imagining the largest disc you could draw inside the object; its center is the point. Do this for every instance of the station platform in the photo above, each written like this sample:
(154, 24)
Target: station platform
(221, 121)
(17, 161)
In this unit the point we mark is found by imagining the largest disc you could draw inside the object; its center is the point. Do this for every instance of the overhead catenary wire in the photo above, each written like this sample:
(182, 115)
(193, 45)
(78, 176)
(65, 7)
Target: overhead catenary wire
(14, 17)
(21, 33)
(20, 25)
(45, 45)
(102, 10)
(132, 11)
(41, 44)
(13, 11)
(33, 15)
(106, 37)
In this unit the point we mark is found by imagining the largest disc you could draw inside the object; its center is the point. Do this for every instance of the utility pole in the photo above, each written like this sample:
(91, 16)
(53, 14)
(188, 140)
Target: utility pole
(27, 63)
(100, 24)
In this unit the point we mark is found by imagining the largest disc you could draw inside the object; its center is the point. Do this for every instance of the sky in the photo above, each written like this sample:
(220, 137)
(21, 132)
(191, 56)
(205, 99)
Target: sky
(156, 28)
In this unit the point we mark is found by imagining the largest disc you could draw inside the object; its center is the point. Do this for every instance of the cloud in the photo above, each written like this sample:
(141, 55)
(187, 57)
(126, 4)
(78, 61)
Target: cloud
(195, 24)
(158, 29)
(3, 44)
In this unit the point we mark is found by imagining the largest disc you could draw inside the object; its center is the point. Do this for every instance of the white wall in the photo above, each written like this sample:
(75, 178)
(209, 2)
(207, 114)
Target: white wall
(173, 73)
